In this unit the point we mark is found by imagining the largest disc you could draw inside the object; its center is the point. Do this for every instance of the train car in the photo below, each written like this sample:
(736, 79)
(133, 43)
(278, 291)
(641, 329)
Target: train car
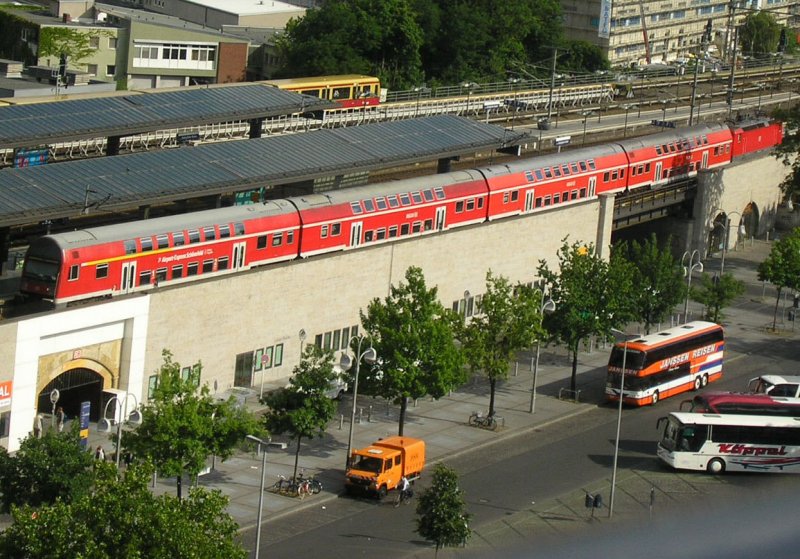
(136, 256)
(758, 135)
(348, 218)
(661, 158)
(348, 90)
(556, 179)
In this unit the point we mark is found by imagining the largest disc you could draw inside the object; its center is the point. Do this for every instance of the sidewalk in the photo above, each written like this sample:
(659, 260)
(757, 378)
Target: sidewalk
(443, 426)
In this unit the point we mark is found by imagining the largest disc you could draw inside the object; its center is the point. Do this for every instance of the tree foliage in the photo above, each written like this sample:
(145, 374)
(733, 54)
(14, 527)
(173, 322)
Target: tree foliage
(782, 267)
(122, 519)
(657, 276)
(759, 33)
(788, 151)
(75, 43)
(183, 425)
(592, 297)
(716, 293)
(43, 470)
(414, 338)
(508, 320)
(303, 409)
(441, 511)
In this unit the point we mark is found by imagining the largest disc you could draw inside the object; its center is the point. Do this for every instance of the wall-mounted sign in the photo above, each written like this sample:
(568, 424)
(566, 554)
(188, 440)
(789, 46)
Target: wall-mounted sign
(5, 393)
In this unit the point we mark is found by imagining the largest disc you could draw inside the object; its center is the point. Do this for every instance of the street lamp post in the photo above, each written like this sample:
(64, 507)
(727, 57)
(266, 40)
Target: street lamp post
(546, 306)
(262, 448)
(345, 363)
(627, 108)
(585, 115)
(689, 268)
(725, 235)
(134, 417)
(625, 337)
(514, 82)
(419, 91)
(469, 86)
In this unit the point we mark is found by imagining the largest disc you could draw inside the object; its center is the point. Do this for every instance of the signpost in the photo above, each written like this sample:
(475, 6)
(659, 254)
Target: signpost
(560, 141)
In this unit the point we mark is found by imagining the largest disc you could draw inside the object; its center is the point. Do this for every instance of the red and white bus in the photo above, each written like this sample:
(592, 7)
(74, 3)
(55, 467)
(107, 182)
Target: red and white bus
(666, 363)
(725, 442)
(742, 404)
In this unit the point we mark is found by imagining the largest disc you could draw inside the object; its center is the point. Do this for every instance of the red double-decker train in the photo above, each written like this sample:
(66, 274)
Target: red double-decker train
(138, 256)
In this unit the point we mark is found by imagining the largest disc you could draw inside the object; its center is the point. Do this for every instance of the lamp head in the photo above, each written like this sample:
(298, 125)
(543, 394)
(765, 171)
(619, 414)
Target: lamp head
(104, 426)
(135, 417)
(370, 356)
(345, 362)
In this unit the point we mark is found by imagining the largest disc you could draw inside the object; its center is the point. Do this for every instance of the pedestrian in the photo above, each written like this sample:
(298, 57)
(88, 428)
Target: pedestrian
(100, 454)
(37, 426)
(60, 418)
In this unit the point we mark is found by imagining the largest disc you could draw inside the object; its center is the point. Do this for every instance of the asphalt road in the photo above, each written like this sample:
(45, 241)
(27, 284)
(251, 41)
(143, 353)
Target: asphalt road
(506, 478)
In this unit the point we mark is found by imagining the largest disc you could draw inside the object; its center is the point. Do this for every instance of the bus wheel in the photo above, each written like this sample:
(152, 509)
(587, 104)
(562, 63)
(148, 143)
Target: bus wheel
(698, 383)
(715, 466)
(655, 397)
(705, 380)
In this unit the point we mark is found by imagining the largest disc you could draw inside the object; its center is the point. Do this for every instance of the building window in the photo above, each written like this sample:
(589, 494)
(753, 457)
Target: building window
(112, 42)
(111, 69)
(91, 69)
(152, 384)
(94, 42)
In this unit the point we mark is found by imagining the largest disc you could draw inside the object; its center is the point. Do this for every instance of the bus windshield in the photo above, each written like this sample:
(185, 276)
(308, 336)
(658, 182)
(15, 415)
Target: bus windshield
(633, 360)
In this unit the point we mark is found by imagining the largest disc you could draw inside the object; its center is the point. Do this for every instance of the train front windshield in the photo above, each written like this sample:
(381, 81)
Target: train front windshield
(41, 270)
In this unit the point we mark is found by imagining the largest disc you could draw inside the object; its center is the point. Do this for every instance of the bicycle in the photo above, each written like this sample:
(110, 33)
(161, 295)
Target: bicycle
(477, 419)
(314, 485)
(403, 497)
(281, 485)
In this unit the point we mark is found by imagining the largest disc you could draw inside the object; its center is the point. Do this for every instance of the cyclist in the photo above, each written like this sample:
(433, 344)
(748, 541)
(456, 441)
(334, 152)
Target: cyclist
(405, 490)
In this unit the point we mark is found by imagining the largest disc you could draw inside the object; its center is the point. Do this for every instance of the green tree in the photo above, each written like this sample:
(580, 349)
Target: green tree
(413, 337)
(303, 409)
(44, 470)
(441, 511)
(788, 151)
(657, 276)
(377, 37)
(759, 33)
(183, 424)
(582, 56)
(508, 320)
(782, 267)
(592, 297)
(73, 42)
(716, 293)
(122, 519)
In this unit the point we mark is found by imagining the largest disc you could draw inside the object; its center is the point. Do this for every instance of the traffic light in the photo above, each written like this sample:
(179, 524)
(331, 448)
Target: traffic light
(782, 41)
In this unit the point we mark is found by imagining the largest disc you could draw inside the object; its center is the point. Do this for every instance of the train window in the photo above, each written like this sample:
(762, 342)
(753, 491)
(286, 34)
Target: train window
(439, 192)
(705, 140)
(428, 195)
(514, 196)
(416, 227)
(101, 271)
(591, 165)
(177, 271)
(368, 236)
(145, 278)
(130, 247)
(557, 171)
(336, 229)
(547, 173)
(209, 233)
(459, 206)
(664, 148)
(622, 173)
(323, 233)
(556, 198)
(178, 239)
(470, 204)
(73, 272)
(289, 237)
(505, 197)
(583, 166)
(369, 205)
(574, 167)
(727, 148)
(565, 169)
(614, 175)
(161, 274)
(261, 241)
(192, 268)
(583, 192)
(417, 197)
(380, 234)
(147, 243)
(162, 241)
(222, 263)
(381, 203)
(428, 224)
(565, 196)
(208, 266)
(194, 236)
(405, 200)
(238, 228)
(277, 239)
(341, 93)
(224, 231)
(539, 175)
(672, 148)
(538, 202)
(356, 207)
(642, 168)
(404, 229)
(647, 167)
(314, 92)
(393, 203)
(547, 201)
(658, 150)
(392, 231)
(574, 194)
(480, 203)
(606, 176)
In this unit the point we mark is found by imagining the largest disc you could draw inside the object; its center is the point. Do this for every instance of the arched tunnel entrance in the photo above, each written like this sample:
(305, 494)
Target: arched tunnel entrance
(74, 386)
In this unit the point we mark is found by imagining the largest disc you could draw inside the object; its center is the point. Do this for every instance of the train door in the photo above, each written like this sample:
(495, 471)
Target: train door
(529, 200)
(657, 176)
(441, 212)
(128, 280)
(592, 185)
(238, 256)
(704, 164)
(355, 233)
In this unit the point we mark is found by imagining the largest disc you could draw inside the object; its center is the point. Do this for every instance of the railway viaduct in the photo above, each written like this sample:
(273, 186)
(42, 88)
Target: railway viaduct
(247, 330)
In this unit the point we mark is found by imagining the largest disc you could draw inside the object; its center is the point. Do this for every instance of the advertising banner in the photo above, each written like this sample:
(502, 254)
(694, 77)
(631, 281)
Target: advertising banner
(604, 28)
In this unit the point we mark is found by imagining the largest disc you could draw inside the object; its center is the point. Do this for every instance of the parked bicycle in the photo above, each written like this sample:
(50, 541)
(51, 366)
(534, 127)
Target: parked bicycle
(477, 419)
(281, 485)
